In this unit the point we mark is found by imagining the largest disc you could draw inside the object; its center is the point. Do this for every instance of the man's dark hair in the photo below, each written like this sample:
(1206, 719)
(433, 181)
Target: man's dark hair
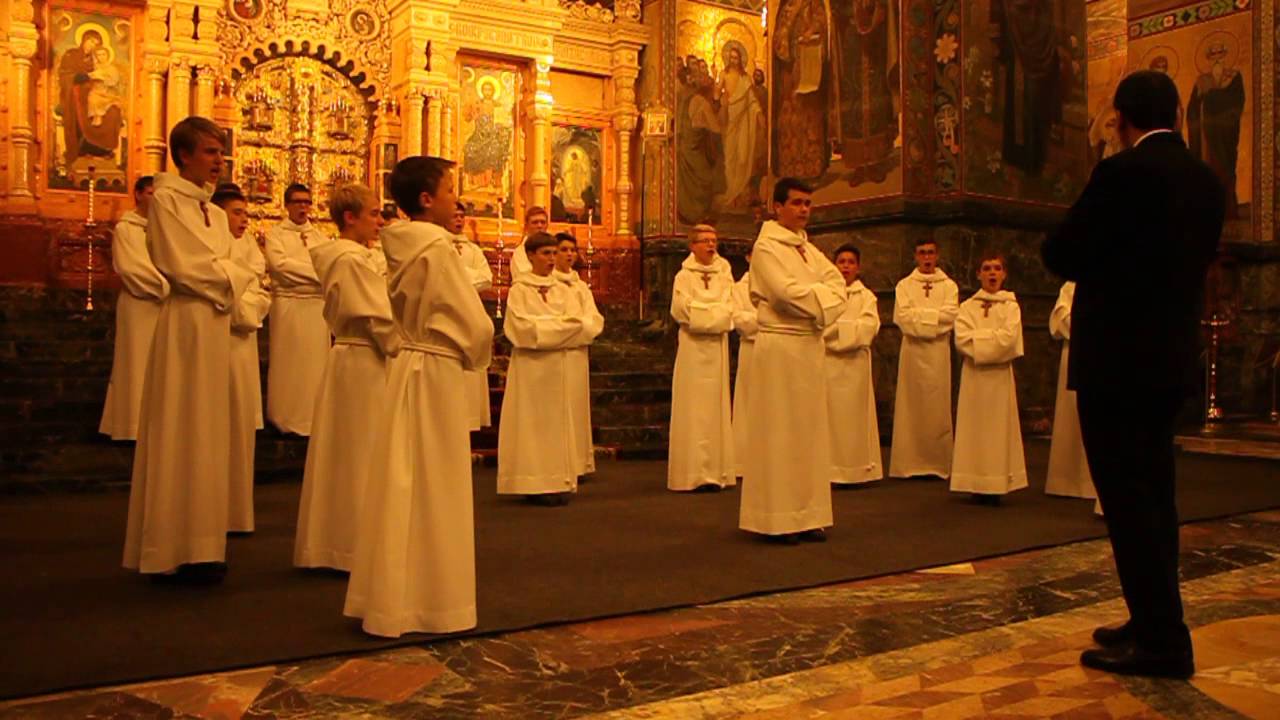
(185, 136)
(462, 207)
(295, 188)
(225, 193)
(847, 248)
(389, 211)
(926, 240)
(1148, 100)
(143, 183)
(782, 189)
(566, 237)
(535, 211)
(537, 241)
(413, 176)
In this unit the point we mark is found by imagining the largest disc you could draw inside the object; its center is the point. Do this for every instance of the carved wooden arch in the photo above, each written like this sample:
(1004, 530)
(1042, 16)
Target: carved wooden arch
(253, 56)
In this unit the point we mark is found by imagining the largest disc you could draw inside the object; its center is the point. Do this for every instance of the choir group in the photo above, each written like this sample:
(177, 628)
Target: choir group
(379, 347)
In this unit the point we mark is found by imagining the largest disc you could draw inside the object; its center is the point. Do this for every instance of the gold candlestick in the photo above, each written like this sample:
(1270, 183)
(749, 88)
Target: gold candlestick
(88, 234)
(1212, 413)
(591, 249)
(497, 311)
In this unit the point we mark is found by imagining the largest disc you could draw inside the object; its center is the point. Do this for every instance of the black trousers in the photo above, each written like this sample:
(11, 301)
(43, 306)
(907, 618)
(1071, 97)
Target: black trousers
(1128, 440)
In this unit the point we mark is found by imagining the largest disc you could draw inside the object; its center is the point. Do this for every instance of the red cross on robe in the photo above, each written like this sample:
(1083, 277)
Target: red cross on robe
(986, 308)
(204, 210)
(543, 290)
(928, 285)
(706, 281)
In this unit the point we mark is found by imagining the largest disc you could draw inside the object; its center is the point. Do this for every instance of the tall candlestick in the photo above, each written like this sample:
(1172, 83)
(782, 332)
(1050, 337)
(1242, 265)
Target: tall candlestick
(497, 312)
(88, 233)
(591, 249)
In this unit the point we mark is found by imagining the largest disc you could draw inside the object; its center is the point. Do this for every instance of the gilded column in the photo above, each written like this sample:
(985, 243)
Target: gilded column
(434, 100)
(178, 93)
(411, 143)
(23, 38)
(625, 72)
(153, 127)
(206, 75)
(446, 128)
(539, 178)
(301, 149)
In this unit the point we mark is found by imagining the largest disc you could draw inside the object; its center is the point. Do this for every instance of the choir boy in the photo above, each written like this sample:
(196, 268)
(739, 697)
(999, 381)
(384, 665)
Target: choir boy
(924, 309)
(851, 399)
(1068, 471)
(299, 338)
(349, 403)
(414, 567)
(246, 373)
(538, 453)
(178, 507)
(143, 290)
(701, 446)
(744, 321)
(481, 276)
(989, 461)
(583, 304)
(797, 293)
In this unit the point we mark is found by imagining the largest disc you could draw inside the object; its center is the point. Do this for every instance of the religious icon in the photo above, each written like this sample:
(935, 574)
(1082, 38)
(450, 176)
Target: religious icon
(246, 9)
(390, 156)
(576, 174)
(91, 55)
(1031, 83)
(1215, 109)
(489, 94)
(741, 123)
(867, 87)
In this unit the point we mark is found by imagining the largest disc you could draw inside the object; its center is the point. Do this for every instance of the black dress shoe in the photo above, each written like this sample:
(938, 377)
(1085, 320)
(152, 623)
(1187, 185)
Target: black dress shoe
(816, 535)
(1129, 659)
(707, 488)
(1113, 636)
(783, 539)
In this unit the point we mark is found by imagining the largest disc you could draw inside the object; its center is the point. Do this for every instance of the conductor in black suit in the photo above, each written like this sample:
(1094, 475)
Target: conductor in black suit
(1138, 243)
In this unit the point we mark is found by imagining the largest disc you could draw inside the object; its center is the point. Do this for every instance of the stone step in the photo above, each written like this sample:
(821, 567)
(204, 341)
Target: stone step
(620, 414)
(626, 436)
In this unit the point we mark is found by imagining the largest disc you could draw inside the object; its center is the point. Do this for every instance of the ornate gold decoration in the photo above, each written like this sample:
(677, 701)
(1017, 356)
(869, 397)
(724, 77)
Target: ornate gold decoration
(1267, 134)
(628, 10)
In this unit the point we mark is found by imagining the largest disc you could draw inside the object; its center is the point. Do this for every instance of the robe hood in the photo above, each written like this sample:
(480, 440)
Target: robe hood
(175, 183)
(404, 241)
(772, 230)
(1002, 296)
(131, 217)
(291, 226)
(936, 276)
(569, 277)
(855, 287)
(536, 280)
(324, 255)
(718, 265)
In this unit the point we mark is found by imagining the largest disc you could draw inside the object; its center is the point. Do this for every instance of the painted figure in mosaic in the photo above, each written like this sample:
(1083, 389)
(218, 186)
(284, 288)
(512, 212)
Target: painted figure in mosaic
(486, 149)
(740, 120)
(989, 460)
(143, 290)
(851, 399)
(1214, 111)
(91, 116)
(700, 456)
(866, 64)
(699, 147)
(801, 88)
(1028, 77)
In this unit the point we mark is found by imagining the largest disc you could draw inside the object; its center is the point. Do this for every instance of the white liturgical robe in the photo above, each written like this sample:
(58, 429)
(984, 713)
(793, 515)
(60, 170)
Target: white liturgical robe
(851, 399)
(538, 449)
(701, 439)
(744, 321)
(520, 264)
(481, 277)
(178, 505)
(137, 308)
(246, 383)
(924, 309)
(988, 458)
(797, 293)
(299, 338)
(348, 407)
(582, 304)
(1068, 470)
(414, 568)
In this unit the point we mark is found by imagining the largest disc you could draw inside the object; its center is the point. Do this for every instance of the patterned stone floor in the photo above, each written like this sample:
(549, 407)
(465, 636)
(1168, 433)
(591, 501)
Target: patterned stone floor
(996, 638)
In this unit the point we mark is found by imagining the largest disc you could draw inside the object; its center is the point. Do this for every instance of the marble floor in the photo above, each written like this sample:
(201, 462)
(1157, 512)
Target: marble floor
(996, 638)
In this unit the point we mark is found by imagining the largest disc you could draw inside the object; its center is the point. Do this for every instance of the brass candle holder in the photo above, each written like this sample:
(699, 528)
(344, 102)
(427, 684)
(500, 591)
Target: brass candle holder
(497, 310)
(89, 226)
(1212, 413)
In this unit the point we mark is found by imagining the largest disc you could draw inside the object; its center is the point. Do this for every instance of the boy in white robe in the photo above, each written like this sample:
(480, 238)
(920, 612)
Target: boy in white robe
(744, 322)
(989, 461)
(142, 291)
(851, 399)
(246, 374)
(536, 220)
(797, 292)
(700, 450)
(299, 337)
(481, 276)
(582, 304)
(1068, 471)
(349, 404)
(925, 306)
(414, 567)
(538, 453)
(178, 496)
